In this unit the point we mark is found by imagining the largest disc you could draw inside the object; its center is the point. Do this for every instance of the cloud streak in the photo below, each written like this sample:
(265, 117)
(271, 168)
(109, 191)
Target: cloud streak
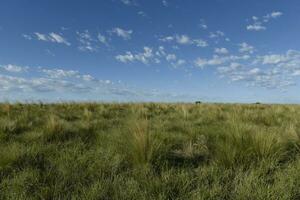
(50, 37)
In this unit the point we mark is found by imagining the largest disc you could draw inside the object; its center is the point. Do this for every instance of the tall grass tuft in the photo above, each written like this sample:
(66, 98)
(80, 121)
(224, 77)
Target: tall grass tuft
(141, 146)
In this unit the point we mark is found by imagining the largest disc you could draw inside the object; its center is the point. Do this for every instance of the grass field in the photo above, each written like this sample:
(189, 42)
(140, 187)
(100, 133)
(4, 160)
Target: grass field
(149, 151)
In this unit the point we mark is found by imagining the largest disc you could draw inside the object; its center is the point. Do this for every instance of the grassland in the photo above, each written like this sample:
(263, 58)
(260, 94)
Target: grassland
(149, 151)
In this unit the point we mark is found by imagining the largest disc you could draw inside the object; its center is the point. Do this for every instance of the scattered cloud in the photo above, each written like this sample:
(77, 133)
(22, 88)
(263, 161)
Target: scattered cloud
(200, 43)
(167, 39)
(184, 40)
(102, 39)
(289, 61)
(221, 50)
(39, 84)
(258, 23)
(144, 57)
(86, 41)
(203, 25)
(48, 79)
(142, 13)
(27, 37)
(178, 63)
(272, 71)
(51, 37)
(216, 34)
(54, 37)
(254, 76)
(64, 83)
(60, 73)
(256, 27)
(272, 15)
(41, 36)
(246, 48)
(124, 34)
(218, 60)
(13, 68)
(150, 55)
(171, 57)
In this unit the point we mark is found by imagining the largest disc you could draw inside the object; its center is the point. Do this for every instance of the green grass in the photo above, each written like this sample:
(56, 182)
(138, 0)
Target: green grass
(149, 151)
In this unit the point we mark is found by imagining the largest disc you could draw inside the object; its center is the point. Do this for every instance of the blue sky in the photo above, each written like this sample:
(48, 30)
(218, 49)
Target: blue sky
(142, 50)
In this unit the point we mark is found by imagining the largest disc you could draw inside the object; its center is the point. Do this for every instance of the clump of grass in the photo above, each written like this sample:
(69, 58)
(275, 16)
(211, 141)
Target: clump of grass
(191, 152)
(10, 153)
(140, 144)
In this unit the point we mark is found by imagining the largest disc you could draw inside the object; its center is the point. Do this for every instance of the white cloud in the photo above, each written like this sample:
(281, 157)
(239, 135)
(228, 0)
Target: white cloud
(125, 34)
(87, 77)
(60, 73)
(184, 40)
(69, 85)
(27, 37)
(230, 68)
(144, 57)
(200, 43)
(13, 68)
(246, 48)
(256, 27)
(216, 34)
(39, 84)
(259, 23)
(273, 59)
(271, 78)
(52, 37)
(276, 14)
(272, 15)
(203, 25)
(171, 57)
(200, 62)
(150, 55)
(218, 60)
(289, 61)
(41, 36)
(102, 39)
(178, 63)
(274, 71)
(50, 80)
(221, 50)
(86, 41)
(142, 13)
(167, 39)
(161, 51)
(128, 57)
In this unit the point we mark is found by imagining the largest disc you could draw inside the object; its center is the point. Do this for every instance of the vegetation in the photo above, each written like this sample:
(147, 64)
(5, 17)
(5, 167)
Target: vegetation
(149, 151)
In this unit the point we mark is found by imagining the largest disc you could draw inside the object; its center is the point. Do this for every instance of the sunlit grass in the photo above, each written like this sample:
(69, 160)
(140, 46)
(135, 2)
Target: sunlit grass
(149, 151)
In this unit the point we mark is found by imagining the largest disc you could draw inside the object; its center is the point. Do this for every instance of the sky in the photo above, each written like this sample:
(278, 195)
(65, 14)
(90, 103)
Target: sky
(154, 51)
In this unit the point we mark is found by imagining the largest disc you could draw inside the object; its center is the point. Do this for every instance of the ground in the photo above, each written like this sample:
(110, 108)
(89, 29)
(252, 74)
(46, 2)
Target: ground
(149, 151)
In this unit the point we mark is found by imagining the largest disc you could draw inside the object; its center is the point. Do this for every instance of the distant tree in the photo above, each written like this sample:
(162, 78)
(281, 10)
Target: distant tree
(198, 102)
(257, 103)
